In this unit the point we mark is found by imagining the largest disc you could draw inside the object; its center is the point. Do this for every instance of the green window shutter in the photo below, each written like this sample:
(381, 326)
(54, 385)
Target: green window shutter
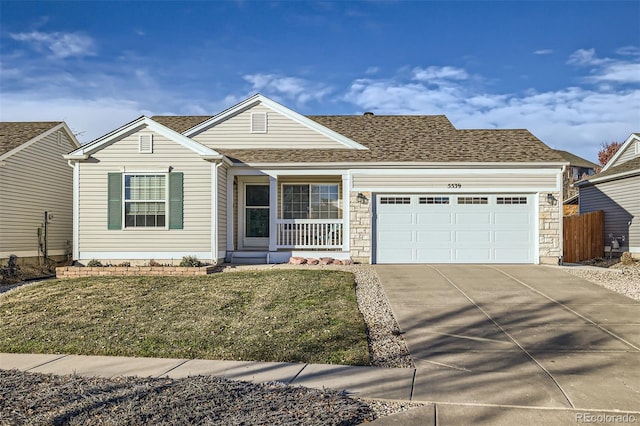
(175, 200)
(114, 208)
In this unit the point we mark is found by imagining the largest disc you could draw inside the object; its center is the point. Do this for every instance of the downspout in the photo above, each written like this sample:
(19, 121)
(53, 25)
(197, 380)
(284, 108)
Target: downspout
(214, 212)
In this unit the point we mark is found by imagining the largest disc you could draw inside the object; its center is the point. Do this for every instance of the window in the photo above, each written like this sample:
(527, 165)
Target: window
(145, 201)
(511, 200)
(473, 200)
(434, 200)
(310, 201)
(395, 200)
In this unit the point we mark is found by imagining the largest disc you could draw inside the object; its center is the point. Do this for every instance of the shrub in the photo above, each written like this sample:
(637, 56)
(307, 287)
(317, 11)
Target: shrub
(94, 263)
(154, 263)
(190, 261)
(626, 258)
(124, 264)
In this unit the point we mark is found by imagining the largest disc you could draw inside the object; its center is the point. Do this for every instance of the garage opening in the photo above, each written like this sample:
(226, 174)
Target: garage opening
(461, 228)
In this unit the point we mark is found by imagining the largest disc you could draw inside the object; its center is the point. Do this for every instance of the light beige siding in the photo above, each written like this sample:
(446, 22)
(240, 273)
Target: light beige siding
(123, 156)
(222, 208)
(34, 180)
(235, 133)
(620, 200)
(467, 181)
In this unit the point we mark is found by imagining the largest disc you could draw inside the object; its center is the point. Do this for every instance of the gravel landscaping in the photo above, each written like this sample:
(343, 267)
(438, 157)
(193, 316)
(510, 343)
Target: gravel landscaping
(623, 279)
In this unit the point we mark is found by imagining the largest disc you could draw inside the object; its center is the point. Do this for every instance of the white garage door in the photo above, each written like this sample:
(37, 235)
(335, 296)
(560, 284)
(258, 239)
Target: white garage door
(474, 228)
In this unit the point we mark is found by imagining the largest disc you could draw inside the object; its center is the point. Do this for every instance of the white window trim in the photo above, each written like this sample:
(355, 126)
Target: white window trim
(166, 201)
(266, 122)
(340, 199)
(141, 150)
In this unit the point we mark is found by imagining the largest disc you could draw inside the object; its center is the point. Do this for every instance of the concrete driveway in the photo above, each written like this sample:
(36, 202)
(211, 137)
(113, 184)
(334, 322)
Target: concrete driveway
(528, 336)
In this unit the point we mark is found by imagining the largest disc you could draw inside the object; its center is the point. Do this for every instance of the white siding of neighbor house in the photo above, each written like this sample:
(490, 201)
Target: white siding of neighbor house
(620, 200)
(628, 154)
(235, 133)
(34, 180)
(123, 155)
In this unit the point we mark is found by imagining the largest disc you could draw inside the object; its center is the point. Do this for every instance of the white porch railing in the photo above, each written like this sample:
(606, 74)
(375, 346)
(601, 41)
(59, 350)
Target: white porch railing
(309, 233)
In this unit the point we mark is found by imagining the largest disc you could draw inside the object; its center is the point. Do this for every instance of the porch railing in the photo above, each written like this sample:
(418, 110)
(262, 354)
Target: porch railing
(309, 233)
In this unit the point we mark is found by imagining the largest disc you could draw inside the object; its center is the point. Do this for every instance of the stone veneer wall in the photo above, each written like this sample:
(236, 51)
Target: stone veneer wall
(550, 232)
(94, 271)
(360, 227)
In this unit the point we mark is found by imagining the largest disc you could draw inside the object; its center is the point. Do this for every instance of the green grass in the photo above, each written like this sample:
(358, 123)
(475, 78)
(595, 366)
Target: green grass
(278, 315)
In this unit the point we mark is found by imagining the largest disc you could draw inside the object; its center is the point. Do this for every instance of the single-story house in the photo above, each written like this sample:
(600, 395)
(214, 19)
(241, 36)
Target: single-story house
(616, 190)
(263, 182)
(36, 186)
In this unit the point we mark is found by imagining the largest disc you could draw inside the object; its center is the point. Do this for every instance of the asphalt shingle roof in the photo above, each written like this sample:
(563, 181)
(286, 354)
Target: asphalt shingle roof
(576, 161)
(15, 133)
(628, 166)
(180, 123)
(397, 138)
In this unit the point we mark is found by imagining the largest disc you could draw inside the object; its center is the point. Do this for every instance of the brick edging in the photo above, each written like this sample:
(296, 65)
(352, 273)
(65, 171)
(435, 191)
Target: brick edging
(96, 271)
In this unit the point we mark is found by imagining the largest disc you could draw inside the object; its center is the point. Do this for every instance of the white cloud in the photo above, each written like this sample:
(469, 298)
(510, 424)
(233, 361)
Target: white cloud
(295, 89)
(629, 51)
(435, 74)
(543, 52)
(372, 70)
(585, 57)
(617, 73)
(61, 45)
(578, 119)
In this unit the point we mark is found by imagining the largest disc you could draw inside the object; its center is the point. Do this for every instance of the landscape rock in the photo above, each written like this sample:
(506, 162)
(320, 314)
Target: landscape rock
(297, 261)
(312, 261)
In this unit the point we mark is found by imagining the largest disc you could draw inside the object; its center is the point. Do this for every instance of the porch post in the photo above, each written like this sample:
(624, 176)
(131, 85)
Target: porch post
(346, 214)
(273, 211)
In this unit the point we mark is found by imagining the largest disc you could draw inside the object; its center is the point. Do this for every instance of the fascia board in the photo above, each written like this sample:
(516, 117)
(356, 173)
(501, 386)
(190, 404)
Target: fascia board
(406, 165)
(32, 141)
(73, 138)
(623, 148)
(287, 112)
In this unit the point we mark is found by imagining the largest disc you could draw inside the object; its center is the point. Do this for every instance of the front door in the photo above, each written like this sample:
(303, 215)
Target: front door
(256, 216)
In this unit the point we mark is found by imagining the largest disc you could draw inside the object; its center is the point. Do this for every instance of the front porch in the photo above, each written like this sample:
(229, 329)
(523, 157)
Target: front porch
(278, 216)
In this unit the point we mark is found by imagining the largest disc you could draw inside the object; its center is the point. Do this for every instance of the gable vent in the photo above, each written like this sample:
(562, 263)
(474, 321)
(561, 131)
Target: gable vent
(145, 145)
(258, 122)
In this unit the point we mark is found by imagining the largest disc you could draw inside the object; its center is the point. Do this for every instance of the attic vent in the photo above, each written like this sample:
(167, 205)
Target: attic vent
(258, 122)
(59, 138)
(145, 145)
(637, 147)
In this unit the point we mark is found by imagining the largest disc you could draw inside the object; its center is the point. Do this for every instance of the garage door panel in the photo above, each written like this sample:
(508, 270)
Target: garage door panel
(473, 255)
(473, 218)
(434, 237)
(434, 255)
(435, 218)
(395, 219)
(470, 228)
(512, 218)
(476, 238)
(512, 237)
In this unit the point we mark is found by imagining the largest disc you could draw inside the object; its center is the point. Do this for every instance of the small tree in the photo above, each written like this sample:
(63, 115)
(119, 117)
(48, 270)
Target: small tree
(607, 150)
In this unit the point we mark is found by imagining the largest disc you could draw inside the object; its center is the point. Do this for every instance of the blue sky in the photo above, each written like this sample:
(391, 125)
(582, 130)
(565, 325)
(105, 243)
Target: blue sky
(569, 71)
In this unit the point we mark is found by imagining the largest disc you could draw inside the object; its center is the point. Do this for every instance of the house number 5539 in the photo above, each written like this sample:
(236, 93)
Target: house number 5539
(455, 185)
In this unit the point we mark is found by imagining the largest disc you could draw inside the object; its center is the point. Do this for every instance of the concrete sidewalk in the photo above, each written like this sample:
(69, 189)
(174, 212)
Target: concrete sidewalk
(364, 382)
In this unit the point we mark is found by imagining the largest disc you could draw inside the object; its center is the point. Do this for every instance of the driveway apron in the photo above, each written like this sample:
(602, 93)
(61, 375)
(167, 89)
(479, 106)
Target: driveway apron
(522, 335)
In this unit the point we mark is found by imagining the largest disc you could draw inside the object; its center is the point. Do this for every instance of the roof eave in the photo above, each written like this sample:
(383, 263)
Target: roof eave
(602, 179)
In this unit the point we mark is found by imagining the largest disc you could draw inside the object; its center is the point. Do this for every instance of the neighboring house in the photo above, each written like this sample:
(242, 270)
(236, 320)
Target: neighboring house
(578, 169)
(263, 182)
(34, 179)
(616, 190)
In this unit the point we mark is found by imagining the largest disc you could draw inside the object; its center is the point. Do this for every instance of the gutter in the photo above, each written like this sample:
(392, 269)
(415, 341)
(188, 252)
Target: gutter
(404, 164)
(606, 178)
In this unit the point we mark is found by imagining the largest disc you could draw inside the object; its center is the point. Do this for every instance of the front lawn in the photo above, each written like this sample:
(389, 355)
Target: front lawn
(278, 315)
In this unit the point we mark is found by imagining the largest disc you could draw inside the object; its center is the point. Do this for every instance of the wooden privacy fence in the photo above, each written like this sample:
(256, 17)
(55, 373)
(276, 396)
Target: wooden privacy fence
(583, 236)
